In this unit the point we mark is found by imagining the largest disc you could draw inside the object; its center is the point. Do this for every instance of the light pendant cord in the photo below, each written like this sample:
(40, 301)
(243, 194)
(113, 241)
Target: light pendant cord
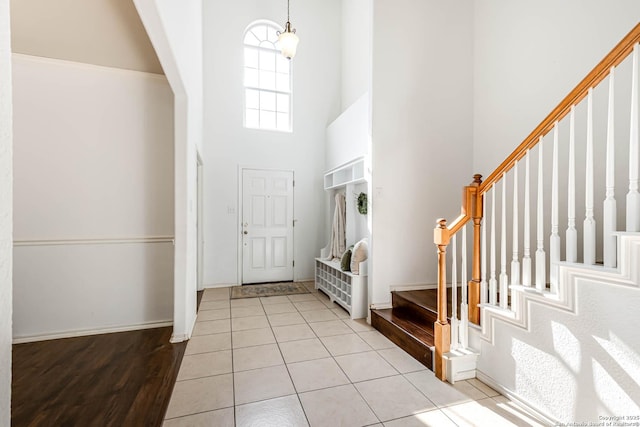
(287, 27)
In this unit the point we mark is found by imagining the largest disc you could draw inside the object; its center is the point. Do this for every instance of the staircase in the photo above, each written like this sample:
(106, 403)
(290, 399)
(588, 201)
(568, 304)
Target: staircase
(547, 249)
(409, 324)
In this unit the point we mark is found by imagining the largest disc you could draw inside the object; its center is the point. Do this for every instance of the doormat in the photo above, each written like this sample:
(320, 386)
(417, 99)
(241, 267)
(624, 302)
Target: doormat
(268, 290)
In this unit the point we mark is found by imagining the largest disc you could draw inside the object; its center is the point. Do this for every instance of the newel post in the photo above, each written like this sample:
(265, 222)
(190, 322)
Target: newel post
(442, 329)
(474, 283)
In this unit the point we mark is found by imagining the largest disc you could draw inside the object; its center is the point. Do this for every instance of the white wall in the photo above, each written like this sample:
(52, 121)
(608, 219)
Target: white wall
(93, 164)
(528, 56)
(316, 102)
(572, 367)
(422, 130)
(175, 30)
(349, 136)
(357, 22)
(6, 214)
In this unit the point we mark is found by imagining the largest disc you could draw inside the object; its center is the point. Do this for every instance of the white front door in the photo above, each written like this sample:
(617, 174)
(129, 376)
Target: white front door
(267, 226)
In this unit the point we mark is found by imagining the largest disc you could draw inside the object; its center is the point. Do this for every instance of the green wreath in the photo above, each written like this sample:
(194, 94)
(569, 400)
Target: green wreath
(362, 203)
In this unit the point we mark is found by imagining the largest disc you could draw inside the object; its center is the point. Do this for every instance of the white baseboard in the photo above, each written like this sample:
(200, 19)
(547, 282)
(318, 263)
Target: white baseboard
(229, 285)
(517, 400)
(86, 332)
(381, 306)
(179, 338)
(220, 285)
(414, 287)
(184, 337)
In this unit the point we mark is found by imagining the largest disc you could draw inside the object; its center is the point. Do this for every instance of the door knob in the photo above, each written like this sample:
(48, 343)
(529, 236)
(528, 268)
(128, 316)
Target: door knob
(246, 232)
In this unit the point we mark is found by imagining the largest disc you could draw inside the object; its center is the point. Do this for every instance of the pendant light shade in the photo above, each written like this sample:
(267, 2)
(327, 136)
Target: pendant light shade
(288, 40)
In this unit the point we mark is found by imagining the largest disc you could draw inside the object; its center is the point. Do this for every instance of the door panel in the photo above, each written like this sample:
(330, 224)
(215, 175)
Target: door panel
(258, 252)
(267, 226)
(279, 215)
(258, 211)
(279, 252)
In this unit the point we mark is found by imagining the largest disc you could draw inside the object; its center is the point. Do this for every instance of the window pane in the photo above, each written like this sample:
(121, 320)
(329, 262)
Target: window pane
(283, 103)
(260, 32)
(267, 80)
(251, 39)
(268, 45)
(267, 61)
(283, 121)
(252, 118)
(271, 35)
(268, 101)
(250, 57)
(251, 77)
(267, 120)
(283, 64)
(282, 82)
(252, 99)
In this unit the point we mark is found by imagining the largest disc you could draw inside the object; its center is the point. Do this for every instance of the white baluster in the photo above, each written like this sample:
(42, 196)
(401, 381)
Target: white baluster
(454, 294)
(515, 260)
(633, 197)
(504, 279)
(493, 284)
(464, 310)
(609, 208)
(572, 233)
(483, 256)
(526, 260)
(589, 234)
(541, 270)
(554, 240)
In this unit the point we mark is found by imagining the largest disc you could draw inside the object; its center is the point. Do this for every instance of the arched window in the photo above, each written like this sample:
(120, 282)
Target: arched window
(267, 79)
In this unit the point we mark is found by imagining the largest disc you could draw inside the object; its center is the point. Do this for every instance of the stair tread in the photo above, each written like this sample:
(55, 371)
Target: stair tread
(416, 327)
(426, 298)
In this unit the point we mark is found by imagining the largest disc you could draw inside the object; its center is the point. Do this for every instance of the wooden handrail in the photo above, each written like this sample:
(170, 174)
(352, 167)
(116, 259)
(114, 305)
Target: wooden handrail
(599, 73)
(469, 195)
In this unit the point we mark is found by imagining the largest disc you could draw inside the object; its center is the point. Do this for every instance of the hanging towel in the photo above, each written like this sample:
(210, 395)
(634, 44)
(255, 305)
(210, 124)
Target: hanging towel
(337, 244)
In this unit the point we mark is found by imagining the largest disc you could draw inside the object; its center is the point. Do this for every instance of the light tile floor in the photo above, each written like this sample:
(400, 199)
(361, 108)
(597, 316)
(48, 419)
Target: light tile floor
(300, 361)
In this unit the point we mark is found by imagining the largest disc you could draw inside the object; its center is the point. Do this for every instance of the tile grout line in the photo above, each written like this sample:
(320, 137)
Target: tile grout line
(319, 338)
(479, 389)
(345, 374)
(398, 373)
(293, 384)
(233, 371)
(197, 413)
(233, 380)
(206, 376)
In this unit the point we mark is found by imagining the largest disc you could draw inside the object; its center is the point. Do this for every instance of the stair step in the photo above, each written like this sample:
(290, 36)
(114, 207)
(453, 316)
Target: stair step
(413, 334)
(422, 304)
(409, 324)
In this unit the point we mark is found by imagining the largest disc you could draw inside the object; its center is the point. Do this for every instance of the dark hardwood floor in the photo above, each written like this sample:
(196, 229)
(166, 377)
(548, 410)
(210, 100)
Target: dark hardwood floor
(118, 379)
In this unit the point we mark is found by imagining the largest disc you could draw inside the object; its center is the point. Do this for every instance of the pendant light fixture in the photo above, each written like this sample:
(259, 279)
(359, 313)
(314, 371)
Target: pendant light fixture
(287, 39)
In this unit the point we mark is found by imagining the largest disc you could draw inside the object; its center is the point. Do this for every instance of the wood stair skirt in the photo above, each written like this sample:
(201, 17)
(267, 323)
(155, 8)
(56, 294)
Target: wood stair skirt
(409, 324)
